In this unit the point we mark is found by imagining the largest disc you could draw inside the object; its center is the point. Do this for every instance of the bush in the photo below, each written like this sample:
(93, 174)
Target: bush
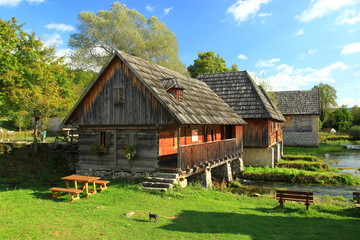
(354, 132)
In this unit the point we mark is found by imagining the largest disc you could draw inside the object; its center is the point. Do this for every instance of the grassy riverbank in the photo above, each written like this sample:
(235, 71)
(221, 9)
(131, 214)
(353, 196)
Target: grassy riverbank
(190, 213)
(278, 174)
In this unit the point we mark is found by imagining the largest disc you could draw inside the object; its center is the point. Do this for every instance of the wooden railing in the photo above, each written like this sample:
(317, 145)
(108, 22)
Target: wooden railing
(198, 154)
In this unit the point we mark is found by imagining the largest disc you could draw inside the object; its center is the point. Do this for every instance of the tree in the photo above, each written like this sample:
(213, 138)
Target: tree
(327, 98)
(34, 82)
(340, 119)
(81, 80)
(355, 112)
(120, 28)
(208, 62)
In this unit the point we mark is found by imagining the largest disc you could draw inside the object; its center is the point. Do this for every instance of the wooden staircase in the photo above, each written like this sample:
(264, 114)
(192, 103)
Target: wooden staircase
(161, 181)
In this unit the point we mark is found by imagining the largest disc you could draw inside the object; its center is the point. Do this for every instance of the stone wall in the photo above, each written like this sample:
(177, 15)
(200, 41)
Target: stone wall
(259, 157)
(301, 139)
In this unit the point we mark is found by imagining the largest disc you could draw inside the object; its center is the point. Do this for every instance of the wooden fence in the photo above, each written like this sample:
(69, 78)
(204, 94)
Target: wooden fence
(198, 154)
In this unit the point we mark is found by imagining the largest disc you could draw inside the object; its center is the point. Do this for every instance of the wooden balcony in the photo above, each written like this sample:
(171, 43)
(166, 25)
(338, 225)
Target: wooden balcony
(203, 153)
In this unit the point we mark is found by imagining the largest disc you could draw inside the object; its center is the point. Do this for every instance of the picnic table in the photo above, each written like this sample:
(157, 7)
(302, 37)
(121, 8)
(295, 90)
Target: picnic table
(75, 192)
(84, 180)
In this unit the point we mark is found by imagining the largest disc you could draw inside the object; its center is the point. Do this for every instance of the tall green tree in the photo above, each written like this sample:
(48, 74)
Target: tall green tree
(208, 62)
(355, 112)
(120, 28)
(327, 98)
(33, 81)
(340, 119)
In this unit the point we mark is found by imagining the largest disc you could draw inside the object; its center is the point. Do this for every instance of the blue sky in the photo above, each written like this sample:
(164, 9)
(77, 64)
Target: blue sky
(292, 44)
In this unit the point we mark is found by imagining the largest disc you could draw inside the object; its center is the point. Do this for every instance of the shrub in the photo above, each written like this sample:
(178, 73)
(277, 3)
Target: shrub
(354, 132)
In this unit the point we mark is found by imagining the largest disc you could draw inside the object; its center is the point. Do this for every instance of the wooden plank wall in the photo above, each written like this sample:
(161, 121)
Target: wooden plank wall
(146, 144)
(140, 107)
(275, 132)
(256, 133)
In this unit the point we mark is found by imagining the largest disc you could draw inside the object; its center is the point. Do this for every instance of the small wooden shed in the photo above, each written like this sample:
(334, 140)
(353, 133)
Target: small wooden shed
(170, 120)
(302, 112)
(263, 133)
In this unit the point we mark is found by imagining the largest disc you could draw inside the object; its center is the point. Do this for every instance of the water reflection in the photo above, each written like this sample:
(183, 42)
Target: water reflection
(347, 162)
(318, 189)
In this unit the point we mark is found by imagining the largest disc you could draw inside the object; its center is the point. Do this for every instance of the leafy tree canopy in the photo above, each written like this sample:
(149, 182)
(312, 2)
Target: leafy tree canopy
(120, 28)
(355, 112)
(327, 98)
(33, 81)
(208, 62)
(340, 119)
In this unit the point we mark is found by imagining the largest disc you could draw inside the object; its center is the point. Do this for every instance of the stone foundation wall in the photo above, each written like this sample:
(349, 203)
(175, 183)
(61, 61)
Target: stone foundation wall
(110, 174)
(259, 157)
(301, 139)
(204, 178)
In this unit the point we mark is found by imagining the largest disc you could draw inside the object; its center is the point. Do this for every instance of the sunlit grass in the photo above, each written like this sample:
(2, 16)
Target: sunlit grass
(190, 213)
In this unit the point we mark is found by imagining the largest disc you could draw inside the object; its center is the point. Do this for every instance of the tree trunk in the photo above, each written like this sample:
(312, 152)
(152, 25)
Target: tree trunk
(36, 129)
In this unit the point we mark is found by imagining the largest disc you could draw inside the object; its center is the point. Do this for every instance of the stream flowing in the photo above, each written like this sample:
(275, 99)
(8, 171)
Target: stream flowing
(346, 162)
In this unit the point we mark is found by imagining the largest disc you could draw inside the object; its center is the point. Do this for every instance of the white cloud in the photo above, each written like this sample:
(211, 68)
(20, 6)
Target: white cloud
(242, 57)
(60, 27)
(320, 8)
(312, 51)
(33, 2)
(14, 3)
(349, 101)
(264, 14)
(351, 48)
(11, 3)
(167, 10)
(288, 78)
(65, 52)
(52, 40)
(267, 63)
(300, 32)
(149, 8)
(244, 10)
(348, 17)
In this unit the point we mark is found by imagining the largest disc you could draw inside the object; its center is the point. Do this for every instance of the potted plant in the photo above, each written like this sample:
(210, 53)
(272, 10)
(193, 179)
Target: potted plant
(129, 151)
(97, 149)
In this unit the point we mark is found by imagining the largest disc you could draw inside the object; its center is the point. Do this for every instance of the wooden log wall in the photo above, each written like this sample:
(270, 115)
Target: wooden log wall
(145, 140)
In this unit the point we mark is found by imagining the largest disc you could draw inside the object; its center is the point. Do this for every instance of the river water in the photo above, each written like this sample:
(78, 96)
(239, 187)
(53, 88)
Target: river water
(347, 162)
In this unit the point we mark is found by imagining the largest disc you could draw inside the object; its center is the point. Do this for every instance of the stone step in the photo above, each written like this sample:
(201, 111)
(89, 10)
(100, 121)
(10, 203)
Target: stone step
(155, 189)
(164, 180)
(166, 175)
(157, 184)
(168, 170)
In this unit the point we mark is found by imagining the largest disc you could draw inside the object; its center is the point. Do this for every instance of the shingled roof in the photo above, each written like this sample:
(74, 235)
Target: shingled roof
(299, 102)
(199, 104)
(240, 91)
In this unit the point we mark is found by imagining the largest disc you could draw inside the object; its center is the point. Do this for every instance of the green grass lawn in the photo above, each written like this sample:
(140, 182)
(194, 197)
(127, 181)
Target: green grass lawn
(190, 213)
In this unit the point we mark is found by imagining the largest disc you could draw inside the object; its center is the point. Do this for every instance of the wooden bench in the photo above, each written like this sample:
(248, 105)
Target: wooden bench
(298, 196)
(74, 193)
(102, 184)
(356, 197)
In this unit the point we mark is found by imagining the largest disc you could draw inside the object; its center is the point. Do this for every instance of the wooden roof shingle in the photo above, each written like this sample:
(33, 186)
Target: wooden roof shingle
(306, 102)
(240, 91)
(199, 105)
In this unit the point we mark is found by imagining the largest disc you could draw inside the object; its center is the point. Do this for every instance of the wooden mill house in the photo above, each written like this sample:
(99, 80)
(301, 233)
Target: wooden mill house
(302, 112)
(263, 137)
(163, 118)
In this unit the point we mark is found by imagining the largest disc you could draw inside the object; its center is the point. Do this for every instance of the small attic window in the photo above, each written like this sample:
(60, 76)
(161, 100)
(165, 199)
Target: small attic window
(173, 87)
(119, 95)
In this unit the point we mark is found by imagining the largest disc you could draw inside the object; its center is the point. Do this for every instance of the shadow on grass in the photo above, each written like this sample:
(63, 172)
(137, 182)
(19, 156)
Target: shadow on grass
(264, 226)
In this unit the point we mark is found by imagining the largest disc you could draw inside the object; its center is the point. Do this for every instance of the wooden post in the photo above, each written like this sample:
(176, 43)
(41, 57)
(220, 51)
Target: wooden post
(179, 150)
